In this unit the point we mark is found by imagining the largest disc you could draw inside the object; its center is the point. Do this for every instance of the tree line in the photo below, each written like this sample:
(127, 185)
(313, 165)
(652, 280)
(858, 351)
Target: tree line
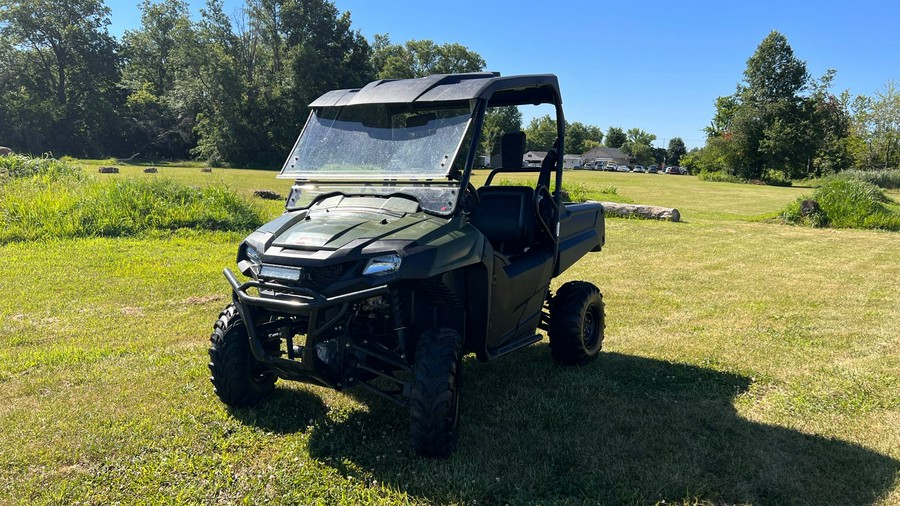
(225, 88)
(540, 135)
(234, 88)
(781, 123)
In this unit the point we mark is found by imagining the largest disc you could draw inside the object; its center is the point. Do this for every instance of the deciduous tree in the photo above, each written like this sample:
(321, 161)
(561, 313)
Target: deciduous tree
(498, 121)
(770, 123)
(675, 151)
(615, 137)
(578, 134)
(420, 58)
(155, 60)
(876, 128)
(65, 69)
(540, 134)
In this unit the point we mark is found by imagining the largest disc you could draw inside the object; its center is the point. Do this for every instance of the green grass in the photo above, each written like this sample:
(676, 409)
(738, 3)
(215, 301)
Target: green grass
(719, 177)
(745, 362)
(577, 191)
(699, 202)
(45, 198)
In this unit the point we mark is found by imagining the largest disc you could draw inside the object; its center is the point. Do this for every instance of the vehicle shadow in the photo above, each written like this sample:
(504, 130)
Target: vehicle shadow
(286, 411)
(624, 429)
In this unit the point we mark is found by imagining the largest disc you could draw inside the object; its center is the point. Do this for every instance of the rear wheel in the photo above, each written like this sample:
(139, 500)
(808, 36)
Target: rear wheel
(434, 398)
(577, 321)
(237, 377)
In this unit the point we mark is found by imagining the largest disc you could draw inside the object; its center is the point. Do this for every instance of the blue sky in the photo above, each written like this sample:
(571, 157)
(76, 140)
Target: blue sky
(654, 65)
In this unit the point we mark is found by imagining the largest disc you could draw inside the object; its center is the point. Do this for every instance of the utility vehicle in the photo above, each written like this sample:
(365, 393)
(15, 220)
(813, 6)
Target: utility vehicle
(388, 265)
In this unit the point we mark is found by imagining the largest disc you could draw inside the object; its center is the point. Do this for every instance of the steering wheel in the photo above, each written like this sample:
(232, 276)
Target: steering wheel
(545, 209)
(471, 190)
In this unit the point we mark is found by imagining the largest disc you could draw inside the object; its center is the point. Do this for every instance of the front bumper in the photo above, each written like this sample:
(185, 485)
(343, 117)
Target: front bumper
(295, 299)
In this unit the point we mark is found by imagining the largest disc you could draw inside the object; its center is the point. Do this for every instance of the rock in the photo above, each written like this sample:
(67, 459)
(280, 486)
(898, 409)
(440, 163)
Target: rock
(808, 207)
(648, 212)
(206, 169)
(109, 170)
(150, 170)
(5, 151)
(267, 194)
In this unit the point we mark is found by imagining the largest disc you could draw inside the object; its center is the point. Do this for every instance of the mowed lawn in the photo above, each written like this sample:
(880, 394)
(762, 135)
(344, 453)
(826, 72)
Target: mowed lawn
(745, 362)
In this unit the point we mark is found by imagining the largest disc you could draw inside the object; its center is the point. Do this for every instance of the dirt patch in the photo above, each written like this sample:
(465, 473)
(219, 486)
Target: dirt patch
(206, 299)
(133, 311)
(73, 469)
(267, 194)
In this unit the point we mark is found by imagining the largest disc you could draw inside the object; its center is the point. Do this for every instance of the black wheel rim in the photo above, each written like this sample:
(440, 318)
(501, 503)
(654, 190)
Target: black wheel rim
(456, 379)
(590, 326)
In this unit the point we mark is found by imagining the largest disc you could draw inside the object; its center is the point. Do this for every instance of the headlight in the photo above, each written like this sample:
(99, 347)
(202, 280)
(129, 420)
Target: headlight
(253, 256)
(383, 265)
(249, 261)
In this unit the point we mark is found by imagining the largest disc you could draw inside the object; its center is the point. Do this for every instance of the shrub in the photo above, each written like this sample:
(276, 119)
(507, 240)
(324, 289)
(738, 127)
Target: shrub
(17, 166)
(40, 207)
(888, 179)
(580, 192)
(776, 178)
(770, 177)
(719, 177)
(846, 203)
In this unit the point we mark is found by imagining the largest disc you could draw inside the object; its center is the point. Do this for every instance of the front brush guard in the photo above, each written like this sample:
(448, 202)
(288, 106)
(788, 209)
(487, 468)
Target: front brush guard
(299, 301)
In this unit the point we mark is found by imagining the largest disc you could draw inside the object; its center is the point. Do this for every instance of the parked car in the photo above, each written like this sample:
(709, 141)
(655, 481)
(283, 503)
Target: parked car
(672, 170)
(682, 171)
(638, 168)
(653, 169)
(622, 168)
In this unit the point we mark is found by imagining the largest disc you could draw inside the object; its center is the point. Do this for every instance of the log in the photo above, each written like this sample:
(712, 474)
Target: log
(648, 212)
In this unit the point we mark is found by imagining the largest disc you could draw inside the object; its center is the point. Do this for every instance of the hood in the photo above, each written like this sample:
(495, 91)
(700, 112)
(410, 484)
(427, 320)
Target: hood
(332, 230)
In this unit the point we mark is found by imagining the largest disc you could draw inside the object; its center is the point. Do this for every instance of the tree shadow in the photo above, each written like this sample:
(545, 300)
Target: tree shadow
(622, 430)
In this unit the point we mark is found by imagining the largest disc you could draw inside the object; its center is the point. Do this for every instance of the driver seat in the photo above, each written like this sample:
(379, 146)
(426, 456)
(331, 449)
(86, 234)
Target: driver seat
(505, 214)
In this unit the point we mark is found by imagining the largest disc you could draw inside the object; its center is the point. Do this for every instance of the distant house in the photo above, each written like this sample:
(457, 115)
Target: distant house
(533, 158)
(570, 161)
(606, 155)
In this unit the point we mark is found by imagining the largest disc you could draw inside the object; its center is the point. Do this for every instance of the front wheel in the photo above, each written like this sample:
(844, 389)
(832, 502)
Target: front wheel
(577, 321)
(237, 377)
(434, 398)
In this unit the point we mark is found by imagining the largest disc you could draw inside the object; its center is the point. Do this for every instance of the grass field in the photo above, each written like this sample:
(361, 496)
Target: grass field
(745, 362)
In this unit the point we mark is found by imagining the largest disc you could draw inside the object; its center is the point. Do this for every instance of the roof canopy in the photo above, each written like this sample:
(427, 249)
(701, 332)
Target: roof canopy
(499, 91)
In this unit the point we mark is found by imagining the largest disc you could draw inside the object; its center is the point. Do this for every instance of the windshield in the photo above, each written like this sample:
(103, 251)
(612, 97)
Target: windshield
(379, 141)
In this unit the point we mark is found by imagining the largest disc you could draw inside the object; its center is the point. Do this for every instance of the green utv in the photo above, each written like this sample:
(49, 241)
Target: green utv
(388, 265)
